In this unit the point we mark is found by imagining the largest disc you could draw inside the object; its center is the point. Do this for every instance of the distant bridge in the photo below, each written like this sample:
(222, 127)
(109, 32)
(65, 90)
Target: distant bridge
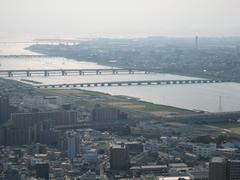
(129, 83)
(65, 72)
(23, 56)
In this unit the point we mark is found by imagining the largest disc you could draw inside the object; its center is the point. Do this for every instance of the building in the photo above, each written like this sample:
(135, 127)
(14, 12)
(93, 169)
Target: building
(134, 147)
(119, 157)
(23, 120)
(217, 169)
(100, 114)
(157, 170)
(73, 141)
(204, 150)
(233, 170)
(4, 109)
(42, 170)
(49, 137)
(91, 156)
(174, 178)
(199, 175)
(12, 174)
(89, 176)
(17, 137)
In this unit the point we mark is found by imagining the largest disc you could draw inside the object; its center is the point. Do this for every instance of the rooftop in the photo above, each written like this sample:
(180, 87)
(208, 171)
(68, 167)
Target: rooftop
(217, 160)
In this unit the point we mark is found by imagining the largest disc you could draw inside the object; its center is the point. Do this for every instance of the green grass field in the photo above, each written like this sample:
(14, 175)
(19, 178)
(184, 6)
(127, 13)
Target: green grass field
(145, 106)
(225, 125)
(151, 107)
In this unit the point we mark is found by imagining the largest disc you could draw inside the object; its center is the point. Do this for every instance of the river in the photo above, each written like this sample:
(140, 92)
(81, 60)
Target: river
(198, 97)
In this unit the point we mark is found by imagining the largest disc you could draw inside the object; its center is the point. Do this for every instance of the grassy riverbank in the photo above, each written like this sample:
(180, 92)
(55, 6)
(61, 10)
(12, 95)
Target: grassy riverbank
(123, 102)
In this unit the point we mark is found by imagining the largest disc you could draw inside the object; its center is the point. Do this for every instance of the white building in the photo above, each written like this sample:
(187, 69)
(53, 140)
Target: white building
(204, 150)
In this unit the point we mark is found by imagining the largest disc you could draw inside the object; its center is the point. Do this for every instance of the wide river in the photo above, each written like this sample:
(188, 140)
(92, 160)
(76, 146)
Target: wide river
(197, 97)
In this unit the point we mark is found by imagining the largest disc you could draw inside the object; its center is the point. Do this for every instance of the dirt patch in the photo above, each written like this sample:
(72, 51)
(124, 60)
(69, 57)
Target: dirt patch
(120, 103)
(235, 131)
(133, 106)
(162, 114)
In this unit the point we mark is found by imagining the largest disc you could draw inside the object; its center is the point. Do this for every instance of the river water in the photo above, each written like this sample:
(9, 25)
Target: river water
(198, 97)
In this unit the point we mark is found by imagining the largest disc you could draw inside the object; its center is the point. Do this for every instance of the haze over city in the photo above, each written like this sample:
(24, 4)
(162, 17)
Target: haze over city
(119, 18)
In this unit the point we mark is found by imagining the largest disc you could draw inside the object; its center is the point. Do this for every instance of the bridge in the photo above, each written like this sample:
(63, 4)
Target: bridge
(129, 83)
(23, 56)
(65, 72)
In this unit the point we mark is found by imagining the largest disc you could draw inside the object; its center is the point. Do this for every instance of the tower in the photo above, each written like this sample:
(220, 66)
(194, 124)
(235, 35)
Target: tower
(72, 145)
(196, 42)
(220, 104)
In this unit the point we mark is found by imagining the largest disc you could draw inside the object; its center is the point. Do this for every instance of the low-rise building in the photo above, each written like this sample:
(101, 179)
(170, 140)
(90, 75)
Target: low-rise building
(204, 150)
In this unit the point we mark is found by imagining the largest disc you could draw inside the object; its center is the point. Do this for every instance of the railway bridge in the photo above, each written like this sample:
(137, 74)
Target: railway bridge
(129, 83)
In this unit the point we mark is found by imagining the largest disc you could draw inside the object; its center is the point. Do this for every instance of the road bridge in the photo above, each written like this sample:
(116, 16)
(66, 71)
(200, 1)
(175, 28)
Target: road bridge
(65, 72)
(129, 83)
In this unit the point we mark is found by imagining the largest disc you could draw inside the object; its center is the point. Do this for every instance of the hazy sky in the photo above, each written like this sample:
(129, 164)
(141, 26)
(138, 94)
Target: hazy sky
(119, 18)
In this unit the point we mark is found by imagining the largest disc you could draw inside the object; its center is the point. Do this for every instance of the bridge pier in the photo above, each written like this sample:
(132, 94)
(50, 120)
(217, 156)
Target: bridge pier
(98, 72)
(10, 74)
(28, 73)
(46, 73)
(63, 73)
(131, 71)
(115, 72)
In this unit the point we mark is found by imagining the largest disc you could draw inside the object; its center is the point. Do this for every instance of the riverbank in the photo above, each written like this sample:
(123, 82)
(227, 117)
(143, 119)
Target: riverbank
(135, 107)
(164, 55)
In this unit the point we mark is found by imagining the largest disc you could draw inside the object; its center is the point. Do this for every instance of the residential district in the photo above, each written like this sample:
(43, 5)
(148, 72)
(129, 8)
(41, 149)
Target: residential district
(76, 135)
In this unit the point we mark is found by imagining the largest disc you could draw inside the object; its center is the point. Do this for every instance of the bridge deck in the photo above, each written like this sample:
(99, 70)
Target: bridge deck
(64, 72)
(129, 83)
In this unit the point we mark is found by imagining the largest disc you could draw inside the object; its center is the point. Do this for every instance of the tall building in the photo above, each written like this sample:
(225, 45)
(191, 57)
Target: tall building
(73, 141)
(217, 169)
(4, 109)
(17, 137)
(105, 114)
(233, 170)
(119, 157)
(42, 170)
(23, 120)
